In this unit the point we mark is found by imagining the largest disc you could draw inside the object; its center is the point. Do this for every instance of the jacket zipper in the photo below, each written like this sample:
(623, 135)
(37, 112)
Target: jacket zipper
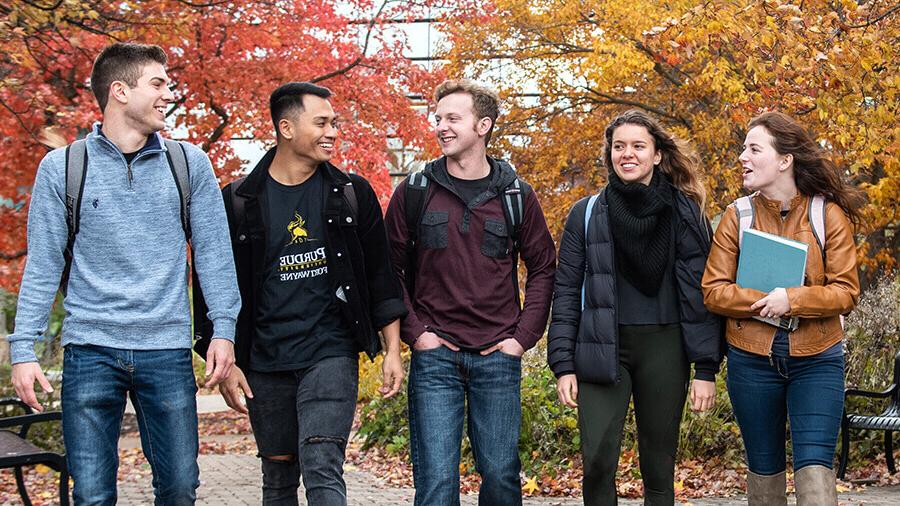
(130, 176)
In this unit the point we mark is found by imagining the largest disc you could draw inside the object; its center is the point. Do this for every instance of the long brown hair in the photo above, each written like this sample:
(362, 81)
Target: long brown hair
(814, 173)
(678, 160)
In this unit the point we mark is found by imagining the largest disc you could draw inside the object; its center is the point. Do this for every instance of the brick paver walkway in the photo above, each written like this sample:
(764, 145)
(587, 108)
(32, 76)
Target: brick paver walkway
(235, 480)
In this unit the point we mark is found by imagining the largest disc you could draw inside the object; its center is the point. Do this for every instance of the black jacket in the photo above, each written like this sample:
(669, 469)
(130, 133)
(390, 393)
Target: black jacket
(358, 259)
(587, 342)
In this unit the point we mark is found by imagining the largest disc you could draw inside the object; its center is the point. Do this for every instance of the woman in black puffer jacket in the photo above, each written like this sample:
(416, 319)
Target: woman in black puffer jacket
(628, 315)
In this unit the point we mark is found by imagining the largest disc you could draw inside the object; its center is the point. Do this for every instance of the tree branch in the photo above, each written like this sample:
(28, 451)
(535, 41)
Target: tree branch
(21, 123)
(869, 22)
(42, 7)
(633, 103)
(203, 5)
(362, 55)
(13, 256)
(220, 129)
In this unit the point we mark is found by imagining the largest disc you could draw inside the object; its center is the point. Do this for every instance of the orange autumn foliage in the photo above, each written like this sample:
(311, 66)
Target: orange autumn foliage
(704, 69)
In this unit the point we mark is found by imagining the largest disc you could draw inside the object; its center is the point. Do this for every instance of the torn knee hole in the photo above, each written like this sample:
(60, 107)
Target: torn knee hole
(279, 458)
(324, 439)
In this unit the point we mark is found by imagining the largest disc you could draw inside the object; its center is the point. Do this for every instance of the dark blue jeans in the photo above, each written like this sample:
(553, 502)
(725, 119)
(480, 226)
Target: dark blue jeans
(163, 391)
(305, 415)
(441, 383)
(807, 390)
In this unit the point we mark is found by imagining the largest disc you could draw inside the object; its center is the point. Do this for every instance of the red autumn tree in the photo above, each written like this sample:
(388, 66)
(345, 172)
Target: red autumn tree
(225, 59)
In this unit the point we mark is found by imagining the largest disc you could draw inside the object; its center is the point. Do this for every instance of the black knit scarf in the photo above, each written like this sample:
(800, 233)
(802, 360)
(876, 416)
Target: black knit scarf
(640, 217)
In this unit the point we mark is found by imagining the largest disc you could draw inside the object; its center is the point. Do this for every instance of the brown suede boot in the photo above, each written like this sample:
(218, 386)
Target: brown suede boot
(815, 486)
(766, 490)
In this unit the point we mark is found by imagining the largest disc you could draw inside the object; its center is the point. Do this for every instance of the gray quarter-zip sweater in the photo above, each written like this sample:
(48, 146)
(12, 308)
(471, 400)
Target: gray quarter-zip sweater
(127, 286)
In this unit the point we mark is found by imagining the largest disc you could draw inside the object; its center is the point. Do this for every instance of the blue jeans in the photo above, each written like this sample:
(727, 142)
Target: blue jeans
(441, 383)
(163, 390)
(764, 394)
(306, 416)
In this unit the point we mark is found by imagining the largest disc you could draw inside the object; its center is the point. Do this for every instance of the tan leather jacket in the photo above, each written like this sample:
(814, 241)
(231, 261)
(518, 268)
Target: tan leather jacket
(830, 289)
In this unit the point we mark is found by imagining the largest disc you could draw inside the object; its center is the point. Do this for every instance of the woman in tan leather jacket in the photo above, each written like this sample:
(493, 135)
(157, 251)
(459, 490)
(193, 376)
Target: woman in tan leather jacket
(774, 374)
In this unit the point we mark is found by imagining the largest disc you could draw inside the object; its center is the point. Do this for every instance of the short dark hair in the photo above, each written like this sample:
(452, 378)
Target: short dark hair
(288, 99)
(122, 61)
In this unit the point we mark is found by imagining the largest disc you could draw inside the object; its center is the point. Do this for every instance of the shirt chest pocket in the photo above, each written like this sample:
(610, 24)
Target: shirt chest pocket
(496, 239)
(433, 230)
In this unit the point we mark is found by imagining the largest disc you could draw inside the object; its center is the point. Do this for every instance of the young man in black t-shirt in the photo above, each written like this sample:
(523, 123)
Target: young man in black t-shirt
(316, 282)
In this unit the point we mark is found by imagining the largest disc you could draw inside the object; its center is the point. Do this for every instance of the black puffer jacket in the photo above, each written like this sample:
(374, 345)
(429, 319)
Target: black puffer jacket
(587, 342)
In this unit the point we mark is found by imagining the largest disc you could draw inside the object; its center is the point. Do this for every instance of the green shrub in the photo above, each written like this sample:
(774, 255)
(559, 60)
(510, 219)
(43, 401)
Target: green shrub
(873, 340)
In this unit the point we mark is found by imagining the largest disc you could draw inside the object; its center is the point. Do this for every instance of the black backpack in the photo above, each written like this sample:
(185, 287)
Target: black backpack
(76, 169)
(417, 195)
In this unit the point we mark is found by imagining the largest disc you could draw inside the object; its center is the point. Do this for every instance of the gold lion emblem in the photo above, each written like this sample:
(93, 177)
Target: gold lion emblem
(297, 229)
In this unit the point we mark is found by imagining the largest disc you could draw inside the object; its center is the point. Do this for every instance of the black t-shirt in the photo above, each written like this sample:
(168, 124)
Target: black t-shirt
(298, 321)
(130, 156)
(468, 189)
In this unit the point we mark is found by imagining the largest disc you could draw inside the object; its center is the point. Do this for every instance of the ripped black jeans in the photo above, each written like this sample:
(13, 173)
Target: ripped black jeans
(305, 415)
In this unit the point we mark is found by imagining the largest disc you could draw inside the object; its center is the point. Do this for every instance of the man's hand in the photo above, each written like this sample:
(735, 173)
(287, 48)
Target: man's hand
(430, 341)
(219, 361)
(567, 390)
(774, 305)
(508, 346)
(392, 371)
(24, 375)
(703, 395)
(233, 387)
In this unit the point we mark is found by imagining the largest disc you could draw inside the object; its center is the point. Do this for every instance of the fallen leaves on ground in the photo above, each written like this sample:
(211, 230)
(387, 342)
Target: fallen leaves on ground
(693, 479)
(229, 433)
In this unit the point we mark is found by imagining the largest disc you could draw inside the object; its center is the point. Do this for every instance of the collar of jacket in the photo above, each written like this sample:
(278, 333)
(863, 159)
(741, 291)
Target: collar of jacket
(256, 180)
(504, 174)
(154, 143)
(775, 205)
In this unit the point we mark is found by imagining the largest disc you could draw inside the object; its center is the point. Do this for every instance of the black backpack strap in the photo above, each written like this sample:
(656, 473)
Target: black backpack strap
(76, 171)
(351, 200)
(416, 193)
(514, 212)
(417, 189)
(178, 165)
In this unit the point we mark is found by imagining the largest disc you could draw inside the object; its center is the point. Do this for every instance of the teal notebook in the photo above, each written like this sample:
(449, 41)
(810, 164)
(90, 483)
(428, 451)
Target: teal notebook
(768, 261)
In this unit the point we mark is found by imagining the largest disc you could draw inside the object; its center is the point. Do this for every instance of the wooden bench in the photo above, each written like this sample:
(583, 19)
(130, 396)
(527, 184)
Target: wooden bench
(16, 451)
(888, 420)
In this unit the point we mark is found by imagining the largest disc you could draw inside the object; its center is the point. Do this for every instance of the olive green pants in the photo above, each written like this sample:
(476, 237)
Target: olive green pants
(654, 370)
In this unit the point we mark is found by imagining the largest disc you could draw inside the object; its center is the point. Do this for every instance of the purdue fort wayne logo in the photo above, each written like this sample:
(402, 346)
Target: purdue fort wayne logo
(297, 230)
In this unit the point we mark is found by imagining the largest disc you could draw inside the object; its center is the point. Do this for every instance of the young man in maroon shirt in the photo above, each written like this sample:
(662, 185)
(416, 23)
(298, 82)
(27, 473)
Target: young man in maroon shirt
(465, 325)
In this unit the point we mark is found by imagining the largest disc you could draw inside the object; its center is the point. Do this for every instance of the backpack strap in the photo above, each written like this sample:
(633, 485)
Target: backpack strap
(816, 214)
(514, 214)
(177, 159)
(744, 208)
(416, 193)
(588, 211)
(76, 169)
(352, 202)
(417, 189)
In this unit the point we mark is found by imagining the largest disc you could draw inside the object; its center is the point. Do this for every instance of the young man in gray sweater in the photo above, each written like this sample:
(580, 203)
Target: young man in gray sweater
(127, 329)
